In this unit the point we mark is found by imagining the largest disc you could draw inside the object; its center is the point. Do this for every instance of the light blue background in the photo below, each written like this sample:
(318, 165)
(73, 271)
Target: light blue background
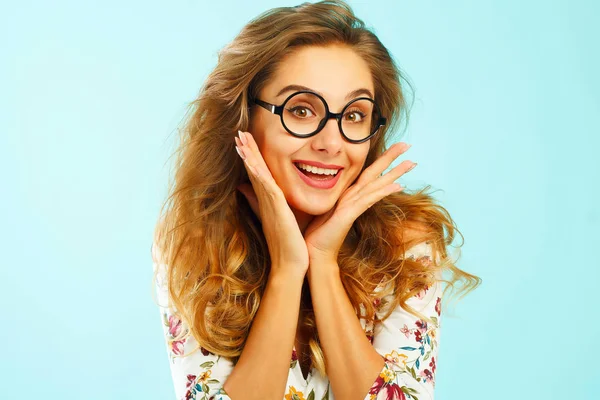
(505, 125)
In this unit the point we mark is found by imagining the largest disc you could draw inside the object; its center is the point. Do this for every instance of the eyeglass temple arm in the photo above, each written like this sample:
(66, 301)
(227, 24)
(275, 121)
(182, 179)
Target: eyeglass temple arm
(271, 107)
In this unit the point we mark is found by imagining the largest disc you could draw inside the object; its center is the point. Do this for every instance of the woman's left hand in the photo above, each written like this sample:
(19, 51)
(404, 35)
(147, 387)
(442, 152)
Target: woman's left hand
(326, 233)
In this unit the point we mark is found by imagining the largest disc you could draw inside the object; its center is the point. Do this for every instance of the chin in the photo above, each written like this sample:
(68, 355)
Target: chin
(314, 208)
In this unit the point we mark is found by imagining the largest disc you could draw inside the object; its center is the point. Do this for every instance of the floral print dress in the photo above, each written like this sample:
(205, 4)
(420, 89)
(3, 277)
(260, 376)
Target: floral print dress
(408, 344)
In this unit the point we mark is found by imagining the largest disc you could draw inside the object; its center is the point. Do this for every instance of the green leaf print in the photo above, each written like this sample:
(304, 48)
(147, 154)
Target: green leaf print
(326, 395)
(412, 372)
(411, 392)
(311, 395)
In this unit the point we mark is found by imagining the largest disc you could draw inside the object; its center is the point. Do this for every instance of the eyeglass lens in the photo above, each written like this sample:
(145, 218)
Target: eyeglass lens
(304, 112)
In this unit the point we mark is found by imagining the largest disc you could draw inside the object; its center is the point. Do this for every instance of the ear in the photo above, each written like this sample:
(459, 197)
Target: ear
(248, 191)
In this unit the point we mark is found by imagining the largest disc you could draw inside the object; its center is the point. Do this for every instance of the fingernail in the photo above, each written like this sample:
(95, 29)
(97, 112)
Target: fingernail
(240, 153)
(408, 146)
(410, 169)
(242, 137)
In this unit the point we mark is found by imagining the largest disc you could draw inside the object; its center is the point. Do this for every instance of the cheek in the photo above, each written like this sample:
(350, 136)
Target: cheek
(352, 179)
(358, 163)
(277, 161)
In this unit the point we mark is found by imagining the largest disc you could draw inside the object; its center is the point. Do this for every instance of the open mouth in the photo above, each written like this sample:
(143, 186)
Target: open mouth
(317, 177)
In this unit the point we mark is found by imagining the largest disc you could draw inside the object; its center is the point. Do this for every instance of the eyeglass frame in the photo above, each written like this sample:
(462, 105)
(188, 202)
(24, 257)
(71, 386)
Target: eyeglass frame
(278, 110)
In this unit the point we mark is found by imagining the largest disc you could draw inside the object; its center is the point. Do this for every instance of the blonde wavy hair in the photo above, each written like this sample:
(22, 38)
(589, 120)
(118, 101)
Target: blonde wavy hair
(213, 245)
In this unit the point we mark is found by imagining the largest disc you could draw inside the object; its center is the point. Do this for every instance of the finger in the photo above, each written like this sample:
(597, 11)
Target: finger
(253, 176)
(379, 194)
(252, 151)
(376, 169)
(247, 189)
(378, 189)
(258, 166)
(239, 148)
(395, 173)
(372, 179)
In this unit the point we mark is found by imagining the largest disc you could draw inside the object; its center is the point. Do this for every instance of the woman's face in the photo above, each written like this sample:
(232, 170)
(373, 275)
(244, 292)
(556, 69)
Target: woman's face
(334, 71)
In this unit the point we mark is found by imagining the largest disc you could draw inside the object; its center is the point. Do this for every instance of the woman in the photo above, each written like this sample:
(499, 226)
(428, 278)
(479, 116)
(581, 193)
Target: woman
(289, 265)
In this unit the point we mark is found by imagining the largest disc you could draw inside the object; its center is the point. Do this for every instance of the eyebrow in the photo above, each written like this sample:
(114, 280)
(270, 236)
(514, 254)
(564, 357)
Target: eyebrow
(351, 95)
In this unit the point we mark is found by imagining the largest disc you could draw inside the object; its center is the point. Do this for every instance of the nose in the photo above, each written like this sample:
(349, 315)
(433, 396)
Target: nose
(331, 128)
(329, 138)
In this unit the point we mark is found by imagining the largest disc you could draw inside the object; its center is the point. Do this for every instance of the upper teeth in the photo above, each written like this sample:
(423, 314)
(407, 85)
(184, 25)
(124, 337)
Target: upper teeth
(315, 170)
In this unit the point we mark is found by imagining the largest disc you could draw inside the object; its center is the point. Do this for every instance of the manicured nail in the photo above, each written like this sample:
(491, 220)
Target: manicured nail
(240, 153)
(412, 166)
(238, 142)
(243, 137)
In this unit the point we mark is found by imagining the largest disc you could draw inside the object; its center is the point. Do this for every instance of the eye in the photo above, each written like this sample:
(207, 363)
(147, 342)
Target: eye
(303, 111)
(357, 115)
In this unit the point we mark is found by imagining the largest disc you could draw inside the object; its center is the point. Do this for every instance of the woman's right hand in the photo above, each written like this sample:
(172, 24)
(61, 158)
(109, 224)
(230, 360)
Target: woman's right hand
(286, 243)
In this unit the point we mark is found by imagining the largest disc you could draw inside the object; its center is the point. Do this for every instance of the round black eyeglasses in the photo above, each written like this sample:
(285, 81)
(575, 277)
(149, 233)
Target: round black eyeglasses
(304, 114)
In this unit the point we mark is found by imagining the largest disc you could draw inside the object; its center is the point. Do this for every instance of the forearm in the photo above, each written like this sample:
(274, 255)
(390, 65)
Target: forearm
(263, 367)
(351, 361)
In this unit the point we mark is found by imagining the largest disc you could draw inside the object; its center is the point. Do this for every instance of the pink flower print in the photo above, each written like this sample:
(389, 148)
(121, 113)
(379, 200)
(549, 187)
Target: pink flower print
(388, 392)
(438, 306)
(418, 337)
(174, 326)
(432, 365)
(427, 375)
(405, 330)
(422, 293)
(294, 355)
(384, 388)
(204, 351)
(377, 385)
(177, 347)
(424, 260)
(421, 325)
(394, 392)
(191, 379)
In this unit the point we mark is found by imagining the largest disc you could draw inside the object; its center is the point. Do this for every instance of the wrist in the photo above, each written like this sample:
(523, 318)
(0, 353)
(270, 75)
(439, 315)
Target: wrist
(320, 269)
(286, 276)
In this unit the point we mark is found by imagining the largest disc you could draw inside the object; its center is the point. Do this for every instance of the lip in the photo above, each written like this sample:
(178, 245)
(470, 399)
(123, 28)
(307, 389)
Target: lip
(318, 184)
(318, 164)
